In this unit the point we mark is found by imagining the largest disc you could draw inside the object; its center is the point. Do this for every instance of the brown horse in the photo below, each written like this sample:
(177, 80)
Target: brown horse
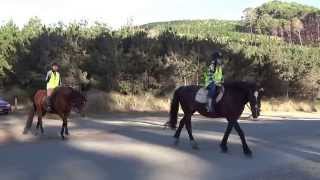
(231, 106)
(64, 99)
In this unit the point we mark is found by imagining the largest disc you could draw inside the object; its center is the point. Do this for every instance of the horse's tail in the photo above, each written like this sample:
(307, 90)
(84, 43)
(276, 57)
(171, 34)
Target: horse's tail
(30, 119)
(174, 109)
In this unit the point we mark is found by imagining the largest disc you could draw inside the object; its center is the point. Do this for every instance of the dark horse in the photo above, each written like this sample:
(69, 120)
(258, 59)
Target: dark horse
(231, 106)
(63, 100)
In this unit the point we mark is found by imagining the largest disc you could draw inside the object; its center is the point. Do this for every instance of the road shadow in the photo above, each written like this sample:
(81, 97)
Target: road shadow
(270, 140)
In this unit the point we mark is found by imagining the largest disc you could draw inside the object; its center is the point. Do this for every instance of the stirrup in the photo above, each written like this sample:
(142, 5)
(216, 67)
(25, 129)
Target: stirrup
(210, 109)
(49, 109)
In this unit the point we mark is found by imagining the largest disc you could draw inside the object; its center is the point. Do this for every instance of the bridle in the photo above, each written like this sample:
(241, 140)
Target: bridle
(256, 107)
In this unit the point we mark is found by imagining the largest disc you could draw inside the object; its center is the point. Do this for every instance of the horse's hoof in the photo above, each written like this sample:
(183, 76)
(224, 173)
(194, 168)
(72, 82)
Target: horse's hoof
(194, 145)
(165, 125)
(247, 152)
(224, 149)
(25, 131)
(176, 142)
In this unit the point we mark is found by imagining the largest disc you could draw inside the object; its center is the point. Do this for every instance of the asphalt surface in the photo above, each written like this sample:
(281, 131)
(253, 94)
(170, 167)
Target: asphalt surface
(135, 146)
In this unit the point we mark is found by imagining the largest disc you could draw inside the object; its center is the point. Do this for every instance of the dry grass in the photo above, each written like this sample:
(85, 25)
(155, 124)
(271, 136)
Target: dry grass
(99, 101)
(289, 105)
(109, 102)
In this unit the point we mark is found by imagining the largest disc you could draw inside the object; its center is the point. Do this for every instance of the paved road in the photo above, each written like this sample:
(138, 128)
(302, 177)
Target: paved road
(133, 146)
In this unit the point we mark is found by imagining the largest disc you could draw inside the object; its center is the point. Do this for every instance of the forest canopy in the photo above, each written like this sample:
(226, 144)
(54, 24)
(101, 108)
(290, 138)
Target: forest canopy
(276, 45)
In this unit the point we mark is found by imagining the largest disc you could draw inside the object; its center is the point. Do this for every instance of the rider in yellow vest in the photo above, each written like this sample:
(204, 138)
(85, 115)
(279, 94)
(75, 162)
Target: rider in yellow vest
(53, 81)
(213, 78)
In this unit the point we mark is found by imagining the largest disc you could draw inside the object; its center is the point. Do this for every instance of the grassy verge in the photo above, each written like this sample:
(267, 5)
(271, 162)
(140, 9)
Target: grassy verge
(110, 102)
(99, 101)
(289, 105)
(114, 102)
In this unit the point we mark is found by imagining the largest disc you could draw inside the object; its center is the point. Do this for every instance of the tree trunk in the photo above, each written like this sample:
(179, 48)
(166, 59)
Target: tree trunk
(15, 103)
(287, 90)
(300, 39)
(290, 37)
(318, 31)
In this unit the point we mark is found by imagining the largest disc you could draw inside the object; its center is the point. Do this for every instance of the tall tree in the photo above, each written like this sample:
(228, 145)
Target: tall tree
(297, 27)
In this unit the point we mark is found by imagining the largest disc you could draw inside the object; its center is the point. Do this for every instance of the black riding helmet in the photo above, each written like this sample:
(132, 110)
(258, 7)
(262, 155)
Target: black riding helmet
(216, 57)
(54, 64)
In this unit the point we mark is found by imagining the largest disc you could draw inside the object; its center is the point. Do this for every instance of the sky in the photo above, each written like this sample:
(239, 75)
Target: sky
(117, 13)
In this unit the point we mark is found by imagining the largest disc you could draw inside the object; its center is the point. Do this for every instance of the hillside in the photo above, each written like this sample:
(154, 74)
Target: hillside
(293, 22)
(296, 23)
(223, 31)
(191, 26)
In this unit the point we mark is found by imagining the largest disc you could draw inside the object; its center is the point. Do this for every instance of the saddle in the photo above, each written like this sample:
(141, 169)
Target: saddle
(202, 95)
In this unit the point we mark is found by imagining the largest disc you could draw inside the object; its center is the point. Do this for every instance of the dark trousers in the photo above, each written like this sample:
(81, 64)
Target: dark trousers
(212, 88)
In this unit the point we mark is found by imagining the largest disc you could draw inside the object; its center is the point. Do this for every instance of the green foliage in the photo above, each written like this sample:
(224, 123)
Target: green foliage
(293, 22)
(155, 57)
(9, 38)
(285, 10)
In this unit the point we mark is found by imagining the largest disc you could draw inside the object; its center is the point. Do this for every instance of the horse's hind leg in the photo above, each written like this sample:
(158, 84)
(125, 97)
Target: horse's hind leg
(39, 124)
(66, 129)
(37, 127)
(246, 148)
(224, 141)
(189, 129)
(62, 131)
(178, 131)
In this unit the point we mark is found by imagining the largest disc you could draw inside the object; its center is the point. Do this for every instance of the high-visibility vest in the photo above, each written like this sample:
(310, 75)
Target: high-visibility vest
(54, 80)
(217, 76)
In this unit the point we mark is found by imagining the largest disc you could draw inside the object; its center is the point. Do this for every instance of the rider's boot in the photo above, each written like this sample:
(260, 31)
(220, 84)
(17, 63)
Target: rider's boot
(210, 106)
(48, 104)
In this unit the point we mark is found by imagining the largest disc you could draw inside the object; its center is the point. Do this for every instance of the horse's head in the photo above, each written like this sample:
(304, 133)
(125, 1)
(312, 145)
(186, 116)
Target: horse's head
(255, 95)
(78, 102)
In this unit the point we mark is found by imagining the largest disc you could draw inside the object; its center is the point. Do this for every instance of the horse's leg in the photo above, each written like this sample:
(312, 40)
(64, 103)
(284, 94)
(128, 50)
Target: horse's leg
(66, 128)
(39, 122)
(178, 131)
(41, 126)
(246, 148)
(224, 141)
(62, 129)
(37, 127)
(189, 129)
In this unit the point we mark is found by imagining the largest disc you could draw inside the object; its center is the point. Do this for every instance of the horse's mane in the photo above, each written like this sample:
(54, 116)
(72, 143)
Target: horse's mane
(73, 93)
(240, 85)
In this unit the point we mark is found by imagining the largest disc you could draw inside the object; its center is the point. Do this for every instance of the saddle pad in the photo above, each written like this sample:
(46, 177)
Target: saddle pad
(202, 95)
